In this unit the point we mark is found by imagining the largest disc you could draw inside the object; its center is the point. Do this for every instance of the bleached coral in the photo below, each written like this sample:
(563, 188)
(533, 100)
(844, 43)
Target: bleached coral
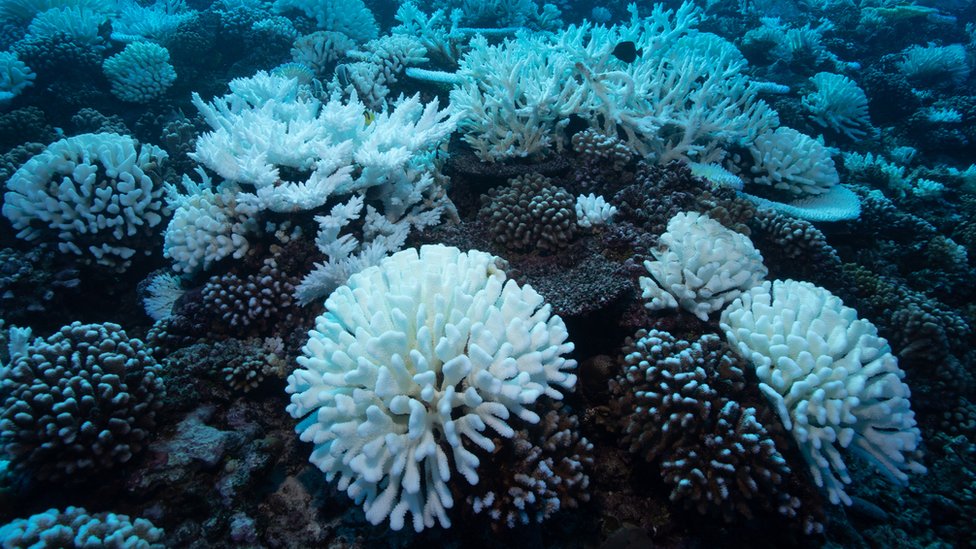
(76, 527)
(209, 224)
(321, 49)
(79, 25)
(716, 175)
(840, 104)
(877, 171)
(935, 65)
(157, 22)
(270, 124)
(700, 266)
(927, 188)
(381, 63)
(377, 387)
(140, 73)
(97, 194)
(22, 11)
(593, 210)
(14, 76)
(793, 162)
(504, 13)
(789, 44)
(831, 379)
(346, 254)
(438, 33)
(684, 97)
(350, 17)
(162, 292)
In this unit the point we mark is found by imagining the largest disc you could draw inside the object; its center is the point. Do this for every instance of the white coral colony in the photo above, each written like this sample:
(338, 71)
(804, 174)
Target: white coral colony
(833, 381)
(700, 266)
(412, 360)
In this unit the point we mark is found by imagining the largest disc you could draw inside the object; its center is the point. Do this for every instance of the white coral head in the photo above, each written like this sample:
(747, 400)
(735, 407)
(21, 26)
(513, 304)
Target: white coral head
(833, 381)
(700, 266)
(412, 360)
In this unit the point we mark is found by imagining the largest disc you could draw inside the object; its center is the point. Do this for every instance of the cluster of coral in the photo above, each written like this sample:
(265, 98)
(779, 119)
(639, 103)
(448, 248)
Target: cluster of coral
(299, 273)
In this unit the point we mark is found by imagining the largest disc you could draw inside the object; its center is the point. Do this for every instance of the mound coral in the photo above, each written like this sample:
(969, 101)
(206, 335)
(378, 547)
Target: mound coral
(531, 213)
(80, 401)
(99, 195)
(140, 73)
(413, 359)
(700, 266)
(76, 527)
(831, 379)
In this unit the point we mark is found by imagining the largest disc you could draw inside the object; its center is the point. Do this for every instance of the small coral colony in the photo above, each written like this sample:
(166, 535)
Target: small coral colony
(308, 273)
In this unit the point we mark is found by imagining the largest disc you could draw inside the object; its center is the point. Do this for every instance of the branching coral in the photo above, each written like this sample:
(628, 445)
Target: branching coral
(840, 104)
(140, 73)
(350, 17)
(530, 214)
(209, 224)
(700, 266)
(76, 527)
(542, 469)
(677, 402)
(296, 151)
(685, 97)
(413, 359)
(14, 76)
(792, 162)
(81, 401)
(255, 304)
(99, 195)
(831, 379)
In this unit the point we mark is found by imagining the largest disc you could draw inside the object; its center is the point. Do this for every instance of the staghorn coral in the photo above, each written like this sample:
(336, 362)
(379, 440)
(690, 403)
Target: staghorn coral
(81, 401)
(685, 97)
(530, 214)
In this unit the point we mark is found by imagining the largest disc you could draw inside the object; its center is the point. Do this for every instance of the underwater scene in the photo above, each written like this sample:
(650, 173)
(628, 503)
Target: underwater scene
(487, 273)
